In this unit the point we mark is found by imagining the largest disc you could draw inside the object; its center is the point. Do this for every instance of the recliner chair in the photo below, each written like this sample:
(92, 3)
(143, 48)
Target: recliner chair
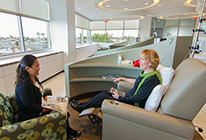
(173, 119)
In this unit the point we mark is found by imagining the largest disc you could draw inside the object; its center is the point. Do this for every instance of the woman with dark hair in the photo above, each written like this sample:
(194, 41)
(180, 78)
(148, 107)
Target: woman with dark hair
(29, 97)
(143, 85)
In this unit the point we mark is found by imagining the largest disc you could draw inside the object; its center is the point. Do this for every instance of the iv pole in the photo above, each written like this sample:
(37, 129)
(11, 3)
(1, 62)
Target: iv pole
(193, 48)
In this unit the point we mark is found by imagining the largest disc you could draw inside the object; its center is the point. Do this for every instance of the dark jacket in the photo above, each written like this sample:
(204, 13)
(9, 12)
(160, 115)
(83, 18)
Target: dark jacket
(143, 93)
(29, 99)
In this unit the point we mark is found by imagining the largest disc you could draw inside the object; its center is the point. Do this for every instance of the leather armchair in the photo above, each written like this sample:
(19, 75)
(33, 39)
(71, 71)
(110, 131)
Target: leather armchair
(173, 119)
(51, 126)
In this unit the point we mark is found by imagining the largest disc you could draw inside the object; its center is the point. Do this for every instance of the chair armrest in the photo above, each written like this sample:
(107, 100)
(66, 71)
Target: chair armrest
(124, 86)
(145, 120)
(50, 125)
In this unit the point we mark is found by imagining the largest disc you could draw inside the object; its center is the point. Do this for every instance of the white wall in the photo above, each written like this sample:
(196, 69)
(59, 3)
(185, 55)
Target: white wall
(63, 28)
(145, 27)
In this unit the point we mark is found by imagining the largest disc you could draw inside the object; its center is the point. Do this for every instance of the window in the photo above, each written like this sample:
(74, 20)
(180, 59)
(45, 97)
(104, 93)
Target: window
(85, 36)
(129, 34)
(82, 29)
(78, 35)
(35, 34)
(24, 25)
(9, 34)
(114, 36)
(98, 35)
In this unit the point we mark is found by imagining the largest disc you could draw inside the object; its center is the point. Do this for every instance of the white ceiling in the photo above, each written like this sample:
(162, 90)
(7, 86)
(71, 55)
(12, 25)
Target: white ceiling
(90, 9)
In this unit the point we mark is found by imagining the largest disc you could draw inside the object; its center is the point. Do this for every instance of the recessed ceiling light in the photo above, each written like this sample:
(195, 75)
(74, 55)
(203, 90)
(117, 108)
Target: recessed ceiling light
(146, 3)
(125, 8)
(79, 9)
(159, 5)
(107, 5)
(103, 5)
(125, 0)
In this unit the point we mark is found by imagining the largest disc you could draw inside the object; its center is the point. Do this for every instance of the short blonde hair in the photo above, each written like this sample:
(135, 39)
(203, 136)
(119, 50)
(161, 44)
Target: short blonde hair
(152, 56)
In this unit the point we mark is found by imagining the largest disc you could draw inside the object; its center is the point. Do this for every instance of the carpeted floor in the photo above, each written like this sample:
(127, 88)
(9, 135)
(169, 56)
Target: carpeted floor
(89, 131)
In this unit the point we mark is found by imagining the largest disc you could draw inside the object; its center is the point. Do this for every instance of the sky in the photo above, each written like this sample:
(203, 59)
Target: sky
(9, 26)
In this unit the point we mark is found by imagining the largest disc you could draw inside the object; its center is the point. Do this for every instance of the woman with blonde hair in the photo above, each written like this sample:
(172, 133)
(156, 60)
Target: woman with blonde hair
(143, 85)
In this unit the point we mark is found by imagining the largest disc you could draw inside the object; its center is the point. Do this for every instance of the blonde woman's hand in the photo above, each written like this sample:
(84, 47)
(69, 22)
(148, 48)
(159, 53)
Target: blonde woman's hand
(115, 95)
(116, 80)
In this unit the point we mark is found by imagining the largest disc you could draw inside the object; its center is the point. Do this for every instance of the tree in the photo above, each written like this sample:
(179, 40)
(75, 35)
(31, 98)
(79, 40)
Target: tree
(101, 38)
(42, 34)
(38, 34)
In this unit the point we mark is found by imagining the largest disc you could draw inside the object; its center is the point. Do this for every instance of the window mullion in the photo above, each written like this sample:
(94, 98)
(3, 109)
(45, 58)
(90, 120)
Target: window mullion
(21, 34)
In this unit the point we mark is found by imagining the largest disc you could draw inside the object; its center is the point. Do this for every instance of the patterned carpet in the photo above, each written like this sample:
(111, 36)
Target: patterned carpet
(89, 131)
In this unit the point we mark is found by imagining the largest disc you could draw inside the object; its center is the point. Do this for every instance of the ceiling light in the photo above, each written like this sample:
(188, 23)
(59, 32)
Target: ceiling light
(146, 3)
(188, 3)
(159, 5)
(103, 3)
(179, 15)
(79, 9)
(127, 17)
(107, 5)
(125, 8)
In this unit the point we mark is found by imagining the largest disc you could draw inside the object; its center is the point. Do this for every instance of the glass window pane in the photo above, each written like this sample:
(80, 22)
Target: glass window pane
(131, 24)
(36, 8)
(35, 34)
(172, 22)
(170, 31)
(114, 25)
(114, 36)
(159, 32)
(185, 31)
(98, 35)
(159, 22)
(129, 34)
(98, 25)
(9, 34)
(187, 22)
(78, 35)
(9, 5)
(85, 37)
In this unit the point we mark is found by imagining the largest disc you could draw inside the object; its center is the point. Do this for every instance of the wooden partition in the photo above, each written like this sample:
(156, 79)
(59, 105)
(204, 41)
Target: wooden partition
(86, 75)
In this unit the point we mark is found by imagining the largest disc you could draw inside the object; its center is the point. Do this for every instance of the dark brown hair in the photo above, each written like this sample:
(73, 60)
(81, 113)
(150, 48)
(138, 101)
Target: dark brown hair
(21, 73)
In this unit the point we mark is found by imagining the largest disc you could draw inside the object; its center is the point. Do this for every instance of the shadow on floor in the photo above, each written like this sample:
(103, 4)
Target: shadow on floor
(89, 131)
